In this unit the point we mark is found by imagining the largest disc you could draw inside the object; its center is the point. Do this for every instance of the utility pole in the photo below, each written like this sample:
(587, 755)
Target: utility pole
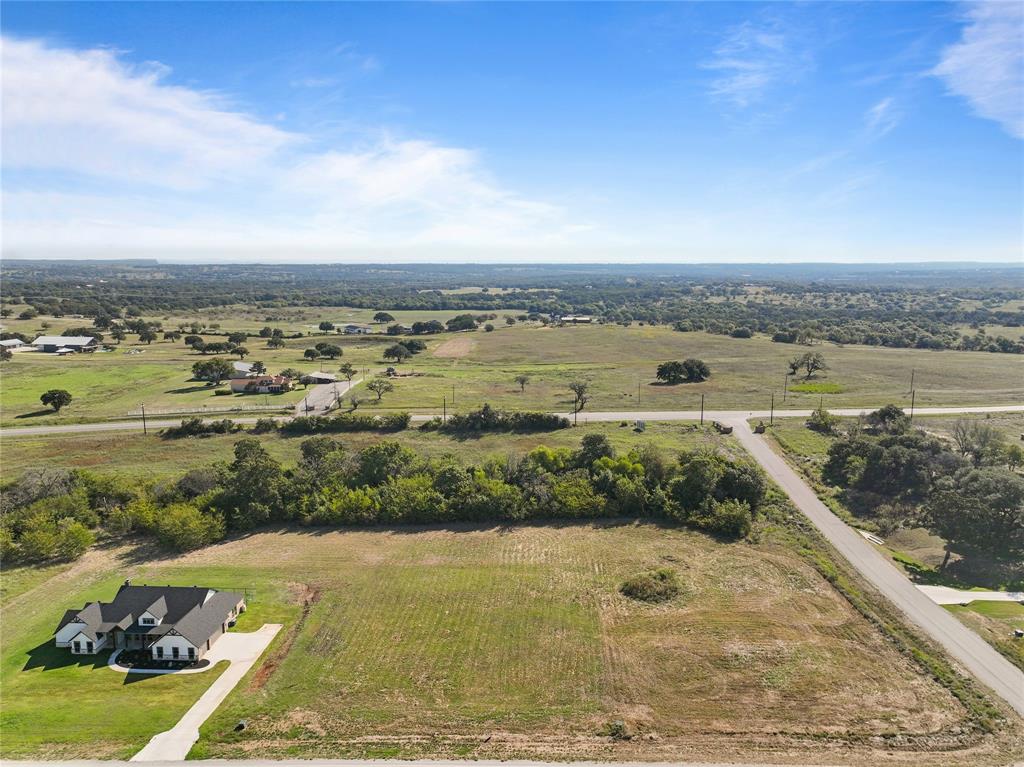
(912, 371)
(771, 418)
(637, 392)
(913, 394)
(453, 395)
(785, 387)
(144, 429)
(701, 409)
(444, 409)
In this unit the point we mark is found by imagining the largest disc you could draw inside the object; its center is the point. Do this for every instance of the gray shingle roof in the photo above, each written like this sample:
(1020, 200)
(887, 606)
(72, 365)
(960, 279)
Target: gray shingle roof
(63, 341)
(194, 612)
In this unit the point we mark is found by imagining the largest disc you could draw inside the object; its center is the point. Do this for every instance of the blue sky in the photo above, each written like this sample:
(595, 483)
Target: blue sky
(873, 132)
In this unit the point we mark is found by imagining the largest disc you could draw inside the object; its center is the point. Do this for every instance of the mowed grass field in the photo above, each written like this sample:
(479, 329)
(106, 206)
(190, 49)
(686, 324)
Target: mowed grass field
(473, 368)
(146, 457)
(487, 642)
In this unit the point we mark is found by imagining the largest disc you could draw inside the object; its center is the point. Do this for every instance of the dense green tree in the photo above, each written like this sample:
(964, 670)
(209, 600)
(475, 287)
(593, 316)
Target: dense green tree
(56, 399)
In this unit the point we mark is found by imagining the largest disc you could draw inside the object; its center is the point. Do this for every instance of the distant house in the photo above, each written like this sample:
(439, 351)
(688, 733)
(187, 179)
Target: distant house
(320, 377)
(578, 319)
(170, 622)
(242, 369)
(55, 344)
(261, 385)
(357, 330)
(12, 344)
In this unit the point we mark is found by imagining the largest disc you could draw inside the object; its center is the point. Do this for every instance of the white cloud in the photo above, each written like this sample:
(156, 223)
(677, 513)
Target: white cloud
(88, 112)
(751, 60)
(178, 165)
(986, 66)
(882, 117)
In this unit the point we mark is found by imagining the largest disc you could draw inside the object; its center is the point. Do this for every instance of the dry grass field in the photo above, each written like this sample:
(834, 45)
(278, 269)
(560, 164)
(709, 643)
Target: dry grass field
(474, 368)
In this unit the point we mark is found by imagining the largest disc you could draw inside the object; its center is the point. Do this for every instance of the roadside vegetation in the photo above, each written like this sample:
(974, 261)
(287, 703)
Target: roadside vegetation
(964, 486)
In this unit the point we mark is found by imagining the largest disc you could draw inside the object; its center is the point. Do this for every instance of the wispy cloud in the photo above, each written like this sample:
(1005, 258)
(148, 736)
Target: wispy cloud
(986, 66)
(882, 117)
(752, 60)
(88, 137)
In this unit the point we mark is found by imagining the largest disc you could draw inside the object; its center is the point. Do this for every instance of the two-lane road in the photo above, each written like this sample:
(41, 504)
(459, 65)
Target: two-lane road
(968, 649)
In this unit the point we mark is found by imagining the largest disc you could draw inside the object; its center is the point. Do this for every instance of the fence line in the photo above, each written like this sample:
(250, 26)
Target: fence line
(211, 409)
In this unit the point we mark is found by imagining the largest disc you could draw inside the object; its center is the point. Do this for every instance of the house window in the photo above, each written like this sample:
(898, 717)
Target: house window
(175, 652)
(159, 652)
(78, 646)
(88, 647)
(147, 622)
(191, 653)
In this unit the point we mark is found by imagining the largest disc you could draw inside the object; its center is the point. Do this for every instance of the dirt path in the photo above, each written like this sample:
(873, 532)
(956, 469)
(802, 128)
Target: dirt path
(455, 348)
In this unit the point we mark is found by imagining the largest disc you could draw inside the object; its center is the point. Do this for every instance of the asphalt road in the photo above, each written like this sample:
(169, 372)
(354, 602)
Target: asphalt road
(973, 653)
(583, 417)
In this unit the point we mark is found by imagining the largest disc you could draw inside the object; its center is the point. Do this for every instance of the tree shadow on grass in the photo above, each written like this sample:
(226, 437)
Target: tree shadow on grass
(190, 389)
(49, 657)
(36, 413)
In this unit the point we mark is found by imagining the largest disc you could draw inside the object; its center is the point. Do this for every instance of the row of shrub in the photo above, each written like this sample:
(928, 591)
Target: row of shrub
(346, 422)
(490, 419)
(385, 483)
(304, 424)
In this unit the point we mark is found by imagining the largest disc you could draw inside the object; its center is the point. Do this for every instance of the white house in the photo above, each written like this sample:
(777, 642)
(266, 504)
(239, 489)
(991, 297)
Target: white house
(175, 623)
(13, 344)
(354, 330)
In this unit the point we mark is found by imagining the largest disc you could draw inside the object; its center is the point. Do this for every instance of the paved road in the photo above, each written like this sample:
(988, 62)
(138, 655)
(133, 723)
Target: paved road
(975, 655)
(584, 417)
(175, 743)
(322, 397)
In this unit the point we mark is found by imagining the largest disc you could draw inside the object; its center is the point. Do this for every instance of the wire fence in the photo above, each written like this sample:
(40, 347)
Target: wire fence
(202, 409)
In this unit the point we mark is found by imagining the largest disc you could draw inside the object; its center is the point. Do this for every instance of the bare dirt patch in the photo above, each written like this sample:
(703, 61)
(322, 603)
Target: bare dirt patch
(456, 348)
(305, 595)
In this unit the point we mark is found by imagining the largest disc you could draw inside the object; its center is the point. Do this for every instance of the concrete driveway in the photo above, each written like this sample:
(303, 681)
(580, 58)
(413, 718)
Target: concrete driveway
(232, 647)
(945, 595)
(243, 652)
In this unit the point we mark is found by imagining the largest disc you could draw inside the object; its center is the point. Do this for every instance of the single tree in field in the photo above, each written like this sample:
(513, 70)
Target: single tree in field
(522, 380)
(147, 336)
(241, 351)
(348, 370)
(275, 342)
(266, 332)
(311, 354)
(581, 395)
(171, 335)
(213, 371)
(671, 372)
(292, 373)
(696, 370)
(257, 367)
(380, 387)
(354, 402)
(329, 350)
(56, 398)
(383, 317)
(810, 363)
(237, 338)
(398, 353)
(118, 334)
(326, 326)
